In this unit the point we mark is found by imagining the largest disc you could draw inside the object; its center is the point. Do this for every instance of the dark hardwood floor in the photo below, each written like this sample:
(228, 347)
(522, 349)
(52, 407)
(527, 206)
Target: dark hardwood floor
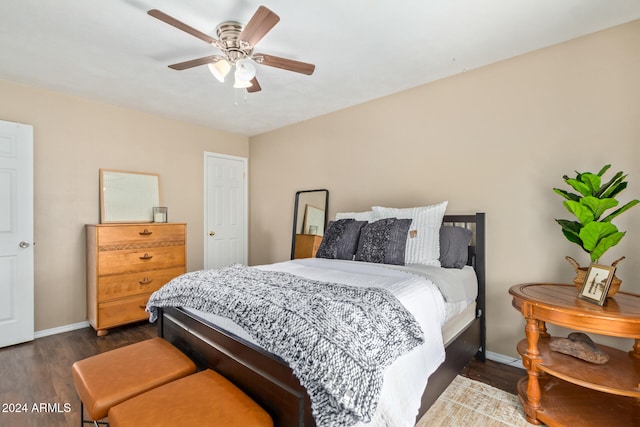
(35, 377)
(39, 373)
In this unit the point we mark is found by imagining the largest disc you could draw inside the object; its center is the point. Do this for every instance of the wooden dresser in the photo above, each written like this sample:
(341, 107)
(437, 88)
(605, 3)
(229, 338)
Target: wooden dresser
(307, 245)
(125, 264)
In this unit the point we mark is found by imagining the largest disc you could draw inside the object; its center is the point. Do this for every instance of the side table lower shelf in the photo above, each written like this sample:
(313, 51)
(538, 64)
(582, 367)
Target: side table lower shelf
(620, 375)
(566, 404)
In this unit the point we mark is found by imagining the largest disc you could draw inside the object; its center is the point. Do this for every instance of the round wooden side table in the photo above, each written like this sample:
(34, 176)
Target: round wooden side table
(561, 390)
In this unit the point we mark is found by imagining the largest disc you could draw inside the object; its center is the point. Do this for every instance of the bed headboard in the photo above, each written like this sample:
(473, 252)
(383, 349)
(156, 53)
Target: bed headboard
(475, 223)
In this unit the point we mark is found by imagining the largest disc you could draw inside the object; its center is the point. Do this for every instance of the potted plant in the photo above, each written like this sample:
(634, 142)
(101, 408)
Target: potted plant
(593, 230)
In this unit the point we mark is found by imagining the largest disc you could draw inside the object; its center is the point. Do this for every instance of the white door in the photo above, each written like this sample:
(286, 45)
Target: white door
(16, 233)
(225, 213)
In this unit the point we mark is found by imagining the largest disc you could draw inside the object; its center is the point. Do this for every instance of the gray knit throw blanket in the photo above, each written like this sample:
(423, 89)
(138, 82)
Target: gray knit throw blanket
(337, 339)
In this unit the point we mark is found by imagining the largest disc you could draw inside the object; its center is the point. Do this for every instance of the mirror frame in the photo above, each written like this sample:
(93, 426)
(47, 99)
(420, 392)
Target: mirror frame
(296, 208)
(128, 197)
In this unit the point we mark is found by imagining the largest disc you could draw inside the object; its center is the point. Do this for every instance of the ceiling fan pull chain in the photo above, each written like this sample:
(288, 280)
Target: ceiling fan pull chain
(236, 96)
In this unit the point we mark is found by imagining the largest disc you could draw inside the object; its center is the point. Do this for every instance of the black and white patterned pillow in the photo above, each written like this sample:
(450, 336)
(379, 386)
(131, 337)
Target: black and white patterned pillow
(384, 241)
(340, 241)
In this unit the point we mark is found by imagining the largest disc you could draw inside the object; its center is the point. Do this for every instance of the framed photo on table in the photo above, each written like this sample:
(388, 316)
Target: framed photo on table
(596, 283)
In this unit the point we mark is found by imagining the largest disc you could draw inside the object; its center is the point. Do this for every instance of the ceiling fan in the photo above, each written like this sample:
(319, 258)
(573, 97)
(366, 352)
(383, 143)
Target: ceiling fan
(236, 43)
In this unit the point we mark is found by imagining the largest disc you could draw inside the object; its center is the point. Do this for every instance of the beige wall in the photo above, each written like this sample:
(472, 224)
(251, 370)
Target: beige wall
(73, 138)
(496, 140)
(521, 125)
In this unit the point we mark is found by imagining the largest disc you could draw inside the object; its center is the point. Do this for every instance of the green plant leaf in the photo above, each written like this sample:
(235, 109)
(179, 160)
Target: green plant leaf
(567, 195)
(581, 212)
(573, 226)
(605, 244)
(574, 239)
(616, 188)
(618, 211)
(598, 206)
(571, 230)
(591, 234)
(592, 181)
(579, 186)
(607, 187)
(603, 170)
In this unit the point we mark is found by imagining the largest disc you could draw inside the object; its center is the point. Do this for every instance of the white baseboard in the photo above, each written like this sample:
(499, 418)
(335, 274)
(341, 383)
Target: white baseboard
(507, 360)
(61, 329)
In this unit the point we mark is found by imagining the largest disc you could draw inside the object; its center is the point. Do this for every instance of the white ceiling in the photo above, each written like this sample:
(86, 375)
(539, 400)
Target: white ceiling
(112, 51)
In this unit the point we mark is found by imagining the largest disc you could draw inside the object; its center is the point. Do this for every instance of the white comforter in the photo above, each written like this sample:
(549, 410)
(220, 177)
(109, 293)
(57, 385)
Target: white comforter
(406, 378)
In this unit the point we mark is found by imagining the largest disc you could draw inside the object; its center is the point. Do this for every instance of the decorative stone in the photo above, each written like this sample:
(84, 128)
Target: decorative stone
(581, 346)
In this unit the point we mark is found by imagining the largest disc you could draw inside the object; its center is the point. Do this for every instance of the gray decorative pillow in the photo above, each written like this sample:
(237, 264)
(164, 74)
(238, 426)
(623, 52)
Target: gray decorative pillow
(454, 246)
(340, 241)
(384, 241)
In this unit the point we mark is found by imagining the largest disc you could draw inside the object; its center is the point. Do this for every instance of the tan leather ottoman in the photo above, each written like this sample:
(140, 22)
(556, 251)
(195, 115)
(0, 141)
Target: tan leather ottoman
(202, 399)
(109, 378)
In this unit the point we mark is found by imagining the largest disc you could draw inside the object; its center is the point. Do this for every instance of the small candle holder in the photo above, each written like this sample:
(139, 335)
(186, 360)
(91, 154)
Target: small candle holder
(159, 214)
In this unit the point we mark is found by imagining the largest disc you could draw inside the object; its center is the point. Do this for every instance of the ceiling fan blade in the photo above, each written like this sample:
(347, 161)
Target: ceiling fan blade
(181, 26)
(285, 64)
(260, 24)
(195, 62)
(255, 86)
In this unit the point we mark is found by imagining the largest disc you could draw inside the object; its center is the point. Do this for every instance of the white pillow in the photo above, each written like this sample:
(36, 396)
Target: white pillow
(358, 216)
(423, 241)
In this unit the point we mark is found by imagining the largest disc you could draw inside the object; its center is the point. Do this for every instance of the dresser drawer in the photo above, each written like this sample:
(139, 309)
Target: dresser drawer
(119, 312)
(139, 234)
(124, 285)
(139, 260)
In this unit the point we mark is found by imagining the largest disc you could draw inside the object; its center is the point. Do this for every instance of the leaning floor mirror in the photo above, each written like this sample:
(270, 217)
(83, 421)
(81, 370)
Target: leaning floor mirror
(309, 222)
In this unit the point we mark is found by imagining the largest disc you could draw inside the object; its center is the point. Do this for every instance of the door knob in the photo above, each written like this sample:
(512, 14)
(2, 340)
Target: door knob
(24, 244)
(212, 233)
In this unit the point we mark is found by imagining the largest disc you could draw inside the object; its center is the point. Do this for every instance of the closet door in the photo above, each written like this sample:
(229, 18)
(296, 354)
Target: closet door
(226, 214)
(16, 233)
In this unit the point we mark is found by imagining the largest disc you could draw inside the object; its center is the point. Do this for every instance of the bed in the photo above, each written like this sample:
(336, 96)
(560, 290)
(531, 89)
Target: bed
(270, 381)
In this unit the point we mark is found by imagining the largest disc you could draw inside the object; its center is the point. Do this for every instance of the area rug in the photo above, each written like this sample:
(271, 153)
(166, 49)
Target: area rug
(472, 403)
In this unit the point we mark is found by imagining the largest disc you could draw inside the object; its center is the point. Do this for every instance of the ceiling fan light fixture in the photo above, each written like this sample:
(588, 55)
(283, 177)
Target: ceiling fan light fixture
(245, 70)
(220, 69)
(242, 84)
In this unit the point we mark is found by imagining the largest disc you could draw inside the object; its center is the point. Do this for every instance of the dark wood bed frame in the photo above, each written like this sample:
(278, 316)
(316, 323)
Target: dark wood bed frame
(268, 379)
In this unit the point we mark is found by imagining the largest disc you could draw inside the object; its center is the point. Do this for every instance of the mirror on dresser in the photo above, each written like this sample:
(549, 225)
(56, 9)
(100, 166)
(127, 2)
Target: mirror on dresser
(128, 197)
(309, 222)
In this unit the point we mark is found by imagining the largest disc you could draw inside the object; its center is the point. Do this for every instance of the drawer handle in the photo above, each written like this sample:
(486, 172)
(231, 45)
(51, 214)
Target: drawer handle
(145, 281)
(146, 232)
(146, 256)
